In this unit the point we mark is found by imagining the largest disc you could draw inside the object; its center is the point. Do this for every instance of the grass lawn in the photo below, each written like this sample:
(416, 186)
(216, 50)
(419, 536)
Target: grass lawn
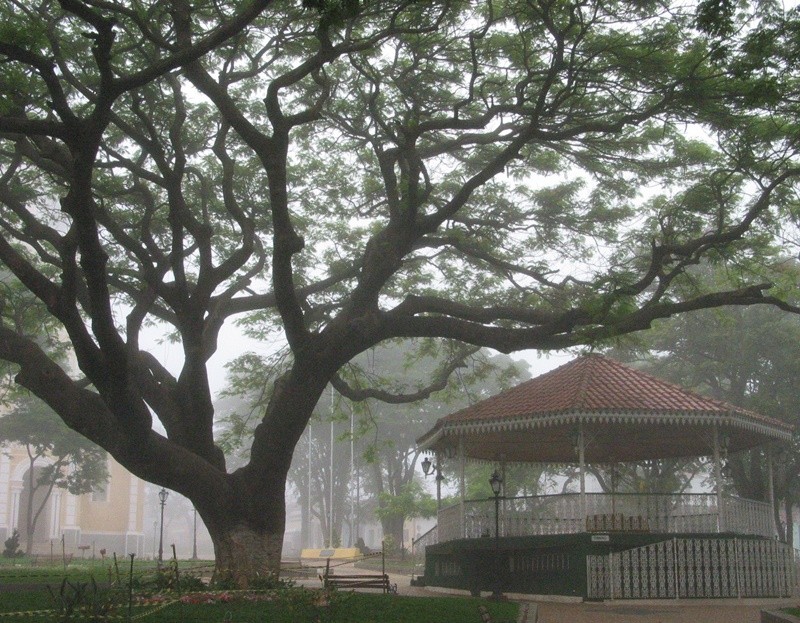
(346, 608)
(293, 605)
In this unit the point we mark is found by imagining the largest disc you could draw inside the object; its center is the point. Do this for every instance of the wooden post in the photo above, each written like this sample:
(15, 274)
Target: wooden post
(130, 588)
(177, 577)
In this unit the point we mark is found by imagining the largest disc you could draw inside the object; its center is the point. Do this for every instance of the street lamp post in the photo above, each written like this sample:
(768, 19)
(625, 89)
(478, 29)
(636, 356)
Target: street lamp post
(162, 497)
(496, 482)
(427, 468)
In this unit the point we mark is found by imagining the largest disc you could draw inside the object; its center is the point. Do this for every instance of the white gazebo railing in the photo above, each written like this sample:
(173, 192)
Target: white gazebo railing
(564, 514)
(748, 516)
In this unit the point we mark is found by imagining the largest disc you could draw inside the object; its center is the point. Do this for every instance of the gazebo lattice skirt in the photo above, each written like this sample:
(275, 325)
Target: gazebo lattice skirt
(693, 568)
(616, 566)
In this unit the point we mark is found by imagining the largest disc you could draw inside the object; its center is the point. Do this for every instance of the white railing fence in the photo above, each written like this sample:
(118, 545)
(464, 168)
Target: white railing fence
(564, 514)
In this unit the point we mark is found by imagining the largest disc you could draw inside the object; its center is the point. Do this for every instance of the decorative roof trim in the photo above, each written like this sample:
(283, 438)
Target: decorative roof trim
(730, 418)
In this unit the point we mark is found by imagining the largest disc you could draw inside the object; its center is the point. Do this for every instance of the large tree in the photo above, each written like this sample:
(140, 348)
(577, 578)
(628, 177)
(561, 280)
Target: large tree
(519, 174)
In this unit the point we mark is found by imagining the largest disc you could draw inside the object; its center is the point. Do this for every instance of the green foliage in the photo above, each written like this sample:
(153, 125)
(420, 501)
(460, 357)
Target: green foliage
(716, 17)
(11, 546)
(755, 371)
(324, 606)
(81, 601)
(334, 12)
(224, 580)
(165, 578)
(75, 464)
(33, 425)
(410, 501)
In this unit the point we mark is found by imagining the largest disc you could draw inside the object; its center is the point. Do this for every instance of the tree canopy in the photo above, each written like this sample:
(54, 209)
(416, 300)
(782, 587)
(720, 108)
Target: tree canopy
(517, 174)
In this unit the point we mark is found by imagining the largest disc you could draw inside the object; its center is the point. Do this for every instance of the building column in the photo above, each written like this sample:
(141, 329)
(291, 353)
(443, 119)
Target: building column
(16, 493)
(55, 515)
(5, 493)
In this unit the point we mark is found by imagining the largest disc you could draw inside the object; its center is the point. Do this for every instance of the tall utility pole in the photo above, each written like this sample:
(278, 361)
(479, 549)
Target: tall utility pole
(309, 541)
(330, 483)
(352, 471)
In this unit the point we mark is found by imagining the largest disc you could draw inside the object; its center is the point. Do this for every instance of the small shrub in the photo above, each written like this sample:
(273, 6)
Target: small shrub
(12, 546)
(162, 580)
(224, 581)
(81, 601)
(269, 582)
(191, 583)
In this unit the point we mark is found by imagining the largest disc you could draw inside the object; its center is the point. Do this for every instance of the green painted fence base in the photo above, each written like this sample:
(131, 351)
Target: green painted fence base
(536, 565)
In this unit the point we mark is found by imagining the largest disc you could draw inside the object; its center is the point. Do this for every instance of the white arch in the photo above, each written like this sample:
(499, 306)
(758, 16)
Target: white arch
(25, 464)
(17, 486)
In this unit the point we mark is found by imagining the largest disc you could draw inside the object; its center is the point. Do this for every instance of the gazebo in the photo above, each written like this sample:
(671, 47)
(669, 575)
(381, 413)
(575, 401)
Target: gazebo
(595, 410)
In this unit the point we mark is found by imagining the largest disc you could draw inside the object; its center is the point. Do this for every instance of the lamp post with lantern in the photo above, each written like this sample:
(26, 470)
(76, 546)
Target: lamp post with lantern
(162, 497)
(427, 467)
(496, 482)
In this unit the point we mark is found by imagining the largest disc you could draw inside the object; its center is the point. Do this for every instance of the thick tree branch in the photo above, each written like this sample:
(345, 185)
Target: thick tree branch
(437, 383)
(568, 329)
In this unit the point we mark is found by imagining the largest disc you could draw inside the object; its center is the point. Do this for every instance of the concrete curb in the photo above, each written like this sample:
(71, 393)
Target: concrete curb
(774, 616)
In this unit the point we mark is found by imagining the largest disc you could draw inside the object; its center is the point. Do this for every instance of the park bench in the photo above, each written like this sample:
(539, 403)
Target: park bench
(378, 580)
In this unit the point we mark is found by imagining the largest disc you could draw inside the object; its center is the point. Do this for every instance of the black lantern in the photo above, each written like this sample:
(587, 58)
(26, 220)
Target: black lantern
(496, 482)
(426, 466)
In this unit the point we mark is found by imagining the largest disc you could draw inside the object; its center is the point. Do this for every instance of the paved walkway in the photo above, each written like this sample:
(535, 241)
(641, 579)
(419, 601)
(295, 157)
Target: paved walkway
(619, 611)
(700, 611)
(627, 611)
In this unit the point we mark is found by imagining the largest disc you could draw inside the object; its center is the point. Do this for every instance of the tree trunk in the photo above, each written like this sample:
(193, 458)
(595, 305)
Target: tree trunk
(244, 553)
(245, 512)
(393, 528)
(247, 530)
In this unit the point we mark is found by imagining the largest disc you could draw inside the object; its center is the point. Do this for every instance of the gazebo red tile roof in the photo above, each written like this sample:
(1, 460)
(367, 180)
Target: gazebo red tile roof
(611, 398)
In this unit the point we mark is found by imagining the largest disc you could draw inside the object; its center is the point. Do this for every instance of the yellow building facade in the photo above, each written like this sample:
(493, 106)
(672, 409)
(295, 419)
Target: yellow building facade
(111, 517)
